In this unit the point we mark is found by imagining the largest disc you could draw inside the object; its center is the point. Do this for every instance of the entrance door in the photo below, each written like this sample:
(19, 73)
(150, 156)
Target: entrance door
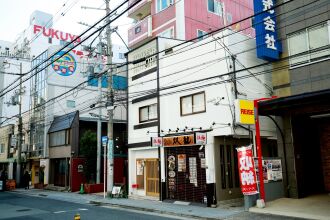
(229, 178)
(152, 177)
(185, 173)
(60, 173)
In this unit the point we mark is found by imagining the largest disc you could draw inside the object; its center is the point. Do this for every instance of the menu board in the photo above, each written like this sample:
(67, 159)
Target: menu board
(193, 170)
(182, 163)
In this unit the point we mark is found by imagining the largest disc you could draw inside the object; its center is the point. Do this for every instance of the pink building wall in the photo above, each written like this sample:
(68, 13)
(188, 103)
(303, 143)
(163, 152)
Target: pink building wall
(160, 18)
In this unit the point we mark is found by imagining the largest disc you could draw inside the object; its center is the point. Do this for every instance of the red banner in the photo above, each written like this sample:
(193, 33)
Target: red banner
(246, 171)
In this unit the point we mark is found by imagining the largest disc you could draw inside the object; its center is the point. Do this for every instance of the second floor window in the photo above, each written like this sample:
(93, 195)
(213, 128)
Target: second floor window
(163, 4)
(148, 113)
(2, 148)
(201, 33)
(309, 45)
(214, 6)
(59, 138)
(193, 104)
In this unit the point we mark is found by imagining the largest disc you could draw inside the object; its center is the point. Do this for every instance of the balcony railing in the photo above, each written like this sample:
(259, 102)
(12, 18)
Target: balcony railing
(140, 10)
(140, 32)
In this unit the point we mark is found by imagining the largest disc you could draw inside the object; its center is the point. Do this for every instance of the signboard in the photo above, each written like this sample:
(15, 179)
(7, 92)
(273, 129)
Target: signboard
(200, 138)
(104, 141)
(184, 140)
(193, 170)
(156, 141)
(244, 112)
(64, 66)
(52, 33)
(272, 169)
(13, 141)
(182, 163)
(268, 45)
(139, 167)
(246, 171)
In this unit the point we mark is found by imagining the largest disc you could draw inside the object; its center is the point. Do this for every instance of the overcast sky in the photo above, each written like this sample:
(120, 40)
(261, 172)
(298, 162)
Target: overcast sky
(15, 16)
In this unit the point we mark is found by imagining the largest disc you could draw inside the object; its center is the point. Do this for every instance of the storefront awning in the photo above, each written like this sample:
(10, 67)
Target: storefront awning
(62, 122)
(307, 103)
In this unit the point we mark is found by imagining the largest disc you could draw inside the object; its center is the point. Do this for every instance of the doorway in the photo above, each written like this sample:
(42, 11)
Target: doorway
(152, 177)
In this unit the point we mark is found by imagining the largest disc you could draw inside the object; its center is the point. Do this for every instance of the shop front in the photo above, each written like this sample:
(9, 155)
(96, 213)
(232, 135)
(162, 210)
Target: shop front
(144, 172)
(185, 169)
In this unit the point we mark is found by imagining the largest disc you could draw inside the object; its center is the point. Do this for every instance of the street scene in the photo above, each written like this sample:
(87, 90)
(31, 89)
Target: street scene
(165, 109)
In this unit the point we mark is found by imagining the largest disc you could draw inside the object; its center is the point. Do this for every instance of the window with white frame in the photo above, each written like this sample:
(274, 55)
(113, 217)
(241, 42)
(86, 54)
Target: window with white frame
(193, 104)
(148, 113)
(70, 103)
(2, 148)
(309, 45)
(163, 4)
(58, 138)
(201, 34)
(169, 33)
(215, 7)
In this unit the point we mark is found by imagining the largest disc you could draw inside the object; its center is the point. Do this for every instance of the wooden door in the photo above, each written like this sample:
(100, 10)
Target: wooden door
(152, 177)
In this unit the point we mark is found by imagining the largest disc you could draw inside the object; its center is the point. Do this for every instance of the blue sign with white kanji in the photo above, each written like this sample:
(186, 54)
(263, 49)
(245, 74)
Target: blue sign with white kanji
(268, 45)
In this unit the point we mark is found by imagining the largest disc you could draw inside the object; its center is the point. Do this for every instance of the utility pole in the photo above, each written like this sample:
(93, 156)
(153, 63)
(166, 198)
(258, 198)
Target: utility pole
(99, 122)
(110, 104)
(20, 129)
(233, 57)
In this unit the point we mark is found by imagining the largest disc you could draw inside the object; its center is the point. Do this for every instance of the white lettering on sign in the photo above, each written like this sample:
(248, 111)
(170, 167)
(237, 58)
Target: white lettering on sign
(245, 163)
(52, 33)
(247, 178)
(268, 4)
(269, 24)
(270, 41)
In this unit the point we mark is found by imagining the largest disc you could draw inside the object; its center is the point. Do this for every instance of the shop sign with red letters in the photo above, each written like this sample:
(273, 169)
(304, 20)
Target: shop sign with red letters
(246, 171)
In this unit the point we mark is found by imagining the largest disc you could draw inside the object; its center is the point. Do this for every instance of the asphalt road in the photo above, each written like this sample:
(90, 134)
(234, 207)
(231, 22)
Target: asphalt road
(16, 206)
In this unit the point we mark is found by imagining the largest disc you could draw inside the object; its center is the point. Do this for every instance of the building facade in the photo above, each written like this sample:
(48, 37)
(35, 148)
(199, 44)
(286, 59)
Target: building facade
(182, 128)
(51, 78)
(301, 80)
(185, 19)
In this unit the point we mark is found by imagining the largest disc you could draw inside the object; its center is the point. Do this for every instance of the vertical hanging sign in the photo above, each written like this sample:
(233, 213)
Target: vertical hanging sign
(246, 171)
(268, 45)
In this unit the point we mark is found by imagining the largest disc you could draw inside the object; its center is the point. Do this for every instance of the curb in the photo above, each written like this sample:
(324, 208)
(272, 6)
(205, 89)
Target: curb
(154, 210)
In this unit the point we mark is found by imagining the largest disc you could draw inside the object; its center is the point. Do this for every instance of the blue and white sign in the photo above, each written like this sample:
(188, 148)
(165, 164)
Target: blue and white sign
(104, 140)
(268, 45)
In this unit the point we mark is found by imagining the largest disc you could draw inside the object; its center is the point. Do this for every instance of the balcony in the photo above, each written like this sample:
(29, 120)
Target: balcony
(141, 32)
(140, 10)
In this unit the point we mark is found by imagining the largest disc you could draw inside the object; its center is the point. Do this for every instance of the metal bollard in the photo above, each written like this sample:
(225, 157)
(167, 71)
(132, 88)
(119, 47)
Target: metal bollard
(77, 216)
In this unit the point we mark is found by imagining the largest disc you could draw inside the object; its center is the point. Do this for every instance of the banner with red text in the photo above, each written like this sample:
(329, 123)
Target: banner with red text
(246, 170)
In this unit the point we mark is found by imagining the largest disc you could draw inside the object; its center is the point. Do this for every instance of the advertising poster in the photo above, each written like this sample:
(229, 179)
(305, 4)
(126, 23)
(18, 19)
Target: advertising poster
(181, 163)
(272, 169)
(246, 171)
(193, 170)
(139, 167)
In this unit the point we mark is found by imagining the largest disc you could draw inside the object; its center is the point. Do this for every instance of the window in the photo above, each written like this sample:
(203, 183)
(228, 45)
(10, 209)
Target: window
(70, 104)
(2, 148)
(58, 138)
(229, 18)
(121, 55)
(138, 29)
(163, 4)
(50, 40)
(215, 7)
(201, 34)
(308, 45)
(148, 113)
(169, 33)
(193, 104)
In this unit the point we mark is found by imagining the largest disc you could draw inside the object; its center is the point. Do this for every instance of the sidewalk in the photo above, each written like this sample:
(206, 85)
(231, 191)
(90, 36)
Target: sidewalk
(190, 211)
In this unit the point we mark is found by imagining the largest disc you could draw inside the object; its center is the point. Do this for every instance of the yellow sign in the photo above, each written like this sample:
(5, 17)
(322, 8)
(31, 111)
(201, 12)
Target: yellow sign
(244, 112)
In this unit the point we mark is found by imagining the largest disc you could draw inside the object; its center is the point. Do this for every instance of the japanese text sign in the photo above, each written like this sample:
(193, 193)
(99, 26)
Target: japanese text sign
(244, 112)
(246, 171)
(157, 141)
(179, 140)
(268, 45)
(200, 138)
